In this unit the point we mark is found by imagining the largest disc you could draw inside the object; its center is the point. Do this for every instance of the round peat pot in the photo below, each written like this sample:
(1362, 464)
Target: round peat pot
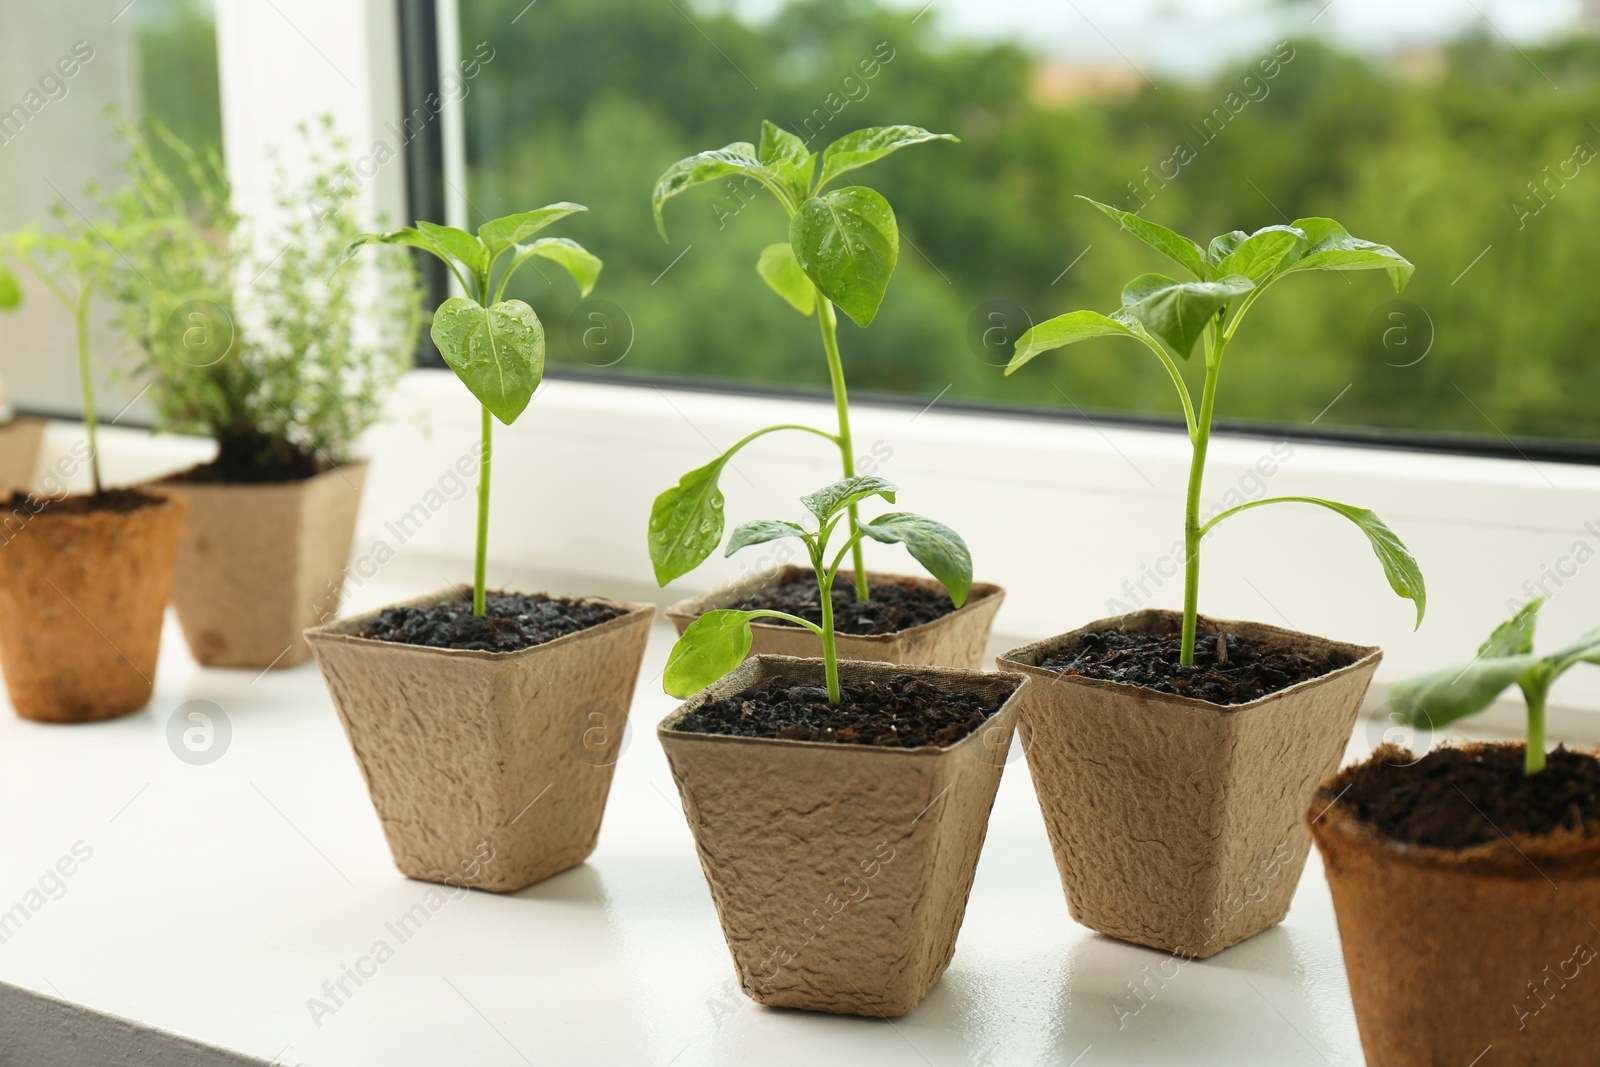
(1178, 823)
(840, 871)
(83, 590)
(488, 770)
(19, 454)
(954, 640)
(1482, 955)
(261, 563)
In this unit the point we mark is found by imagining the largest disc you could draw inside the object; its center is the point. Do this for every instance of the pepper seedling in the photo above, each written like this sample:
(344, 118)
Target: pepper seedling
(718, 641)
(1439, 698)
(495, 346)
(1170, 317)
(842, 249)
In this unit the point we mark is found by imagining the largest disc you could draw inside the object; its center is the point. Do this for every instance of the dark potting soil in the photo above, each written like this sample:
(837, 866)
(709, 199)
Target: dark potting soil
(512, 622)
(292, 466)
(891, 606)
(1460, 797)
(116, 501)
(903, 712)
(1238, 673)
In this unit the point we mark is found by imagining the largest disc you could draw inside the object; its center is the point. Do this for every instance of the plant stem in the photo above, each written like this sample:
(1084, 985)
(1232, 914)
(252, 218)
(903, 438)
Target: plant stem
(1191, 515)
(1535, 751)
(479, 593)
(830, 341)
(830, 655)
(81, 313)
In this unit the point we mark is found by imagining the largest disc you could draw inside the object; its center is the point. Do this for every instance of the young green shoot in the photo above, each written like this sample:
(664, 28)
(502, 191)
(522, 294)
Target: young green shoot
(1437, 699)
(1169, 317)
(495, 345)
(842, 249)
(718, 641)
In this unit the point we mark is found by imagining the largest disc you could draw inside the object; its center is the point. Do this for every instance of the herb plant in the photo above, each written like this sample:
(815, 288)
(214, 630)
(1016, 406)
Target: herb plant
(842, 248)
(718, 641)
(1169, 317)
(1441, 697)
(495, 346)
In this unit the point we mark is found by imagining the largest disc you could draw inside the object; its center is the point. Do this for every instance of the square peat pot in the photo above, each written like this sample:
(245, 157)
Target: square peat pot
(488, 770)
(261, 563)
(840, 872)
(19, 454)
(954, 640)
(1178, 823)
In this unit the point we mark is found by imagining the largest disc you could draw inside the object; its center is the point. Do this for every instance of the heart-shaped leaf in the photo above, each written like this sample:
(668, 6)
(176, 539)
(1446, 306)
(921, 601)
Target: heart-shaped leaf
(582, 264)
(828, 501)
(1178, 312)
(848, 245)
(710, 647)
(864, 146)
(761, 531)
(932, 544)
(500, 234)
(1065, 330)
(787, 156)
(1176, 247)
(737, 158)
(781, 271)
(1332, 248)
(498, 352)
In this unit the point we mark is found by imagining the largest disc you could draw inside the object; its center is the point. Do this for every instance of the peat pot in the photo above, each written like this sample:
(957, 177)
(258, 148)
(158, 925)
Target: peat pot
(488, 770)
(1178, 823)
(261, 562)
(1486, 954)
(954, 640)
(82, 597)
(19, 454)
(840, 872)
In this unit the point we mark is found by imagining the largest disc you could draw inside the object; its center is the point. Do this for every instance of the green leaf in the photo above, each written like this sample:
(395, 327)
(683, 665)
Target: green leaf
(498, 352)
(10, 292)
(710, 647)
(1514, 637)
(848, 244)
(1436, 699)
(1332, 248)
(1176, 247)
(828, 501)
(1399, 566)
(761, 531)
(405, 235)
(1585, 650)
(1065, 330)
(864, 146)
(1178, 312)
(583, 265)
(737, 158)
(932, 544)
(787, 156)
(1260, 254)
(686, 521)
(457, 243)
(502, 233)
(781, 271)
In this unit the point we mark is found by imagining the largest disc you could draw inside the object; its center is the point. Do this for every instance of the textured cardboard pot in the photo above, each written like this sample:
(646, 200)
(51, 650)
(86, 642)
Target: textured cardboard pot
(955, 640)
(1453, 952)
(1178, 823)
(81, 603)
(488, 769)
(260, 563)
(840, 872)
(19, 454)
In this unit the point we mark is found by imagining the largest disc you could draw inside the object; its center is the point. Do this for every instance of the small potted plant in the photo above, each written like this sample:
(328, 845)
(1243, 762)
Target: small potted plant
(842, 248)
(83, 579)
(1467, 881)
(279, 357)
(488, 722)
(19, 438)
(838, 808)
(1173, 754)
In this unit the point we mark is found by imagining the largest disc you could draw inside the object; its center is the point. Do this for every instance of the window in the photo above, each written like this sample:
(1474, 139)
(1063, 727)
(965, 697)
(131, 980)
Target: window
(63, 66)
(1462, 134)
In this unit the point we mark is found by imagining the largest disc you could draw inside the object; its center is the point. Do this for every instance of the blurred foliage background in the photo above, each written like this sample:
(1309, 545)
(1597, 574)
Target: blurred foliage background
(1432, 152)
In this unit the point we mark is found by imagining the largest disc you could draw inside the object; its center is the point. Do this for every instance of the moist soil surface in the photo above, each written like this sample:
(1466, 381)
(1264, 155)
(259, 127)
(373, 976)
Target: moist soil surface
(512, 622)
(229, 471)
(891, 606)
(115, 501)
(1460, 797)
(1232, 672)
(902, 712)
